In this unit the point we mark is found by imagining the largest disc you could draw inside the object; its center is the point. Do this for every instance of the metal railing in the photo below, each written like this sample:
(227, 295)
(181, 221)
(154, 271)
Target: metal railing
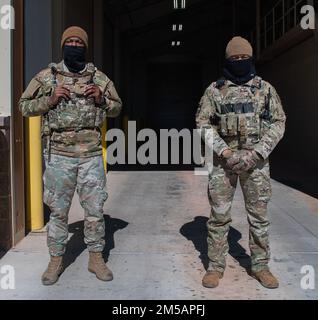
(283, 17)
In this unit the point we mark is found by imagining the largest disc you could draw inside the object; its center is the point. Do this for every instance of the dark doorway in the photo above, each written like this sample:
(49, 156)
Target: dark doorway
(174, 90)
(171, 93)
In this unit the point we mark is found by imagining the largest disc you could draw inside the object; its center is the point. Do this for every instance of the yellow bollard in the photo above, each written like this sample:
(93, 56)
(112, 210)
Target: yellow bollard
(35, 212)
(104, 144)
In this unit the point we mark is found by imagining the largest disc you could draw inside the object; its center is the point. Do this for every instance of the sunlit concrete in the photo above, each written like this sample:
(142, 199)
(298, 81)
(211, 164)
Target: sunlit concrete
(156, 241)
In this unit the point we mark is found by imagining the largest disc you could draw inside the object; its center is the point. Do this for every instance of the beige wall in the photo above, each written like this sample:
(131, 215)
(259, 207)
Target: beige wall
(5, 67)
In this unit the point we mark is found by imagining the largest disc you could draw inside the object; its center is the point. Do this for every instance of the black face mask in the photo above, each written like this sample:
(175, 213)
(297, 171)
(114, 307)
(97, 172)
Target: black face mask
(239, 71)
(74, 58)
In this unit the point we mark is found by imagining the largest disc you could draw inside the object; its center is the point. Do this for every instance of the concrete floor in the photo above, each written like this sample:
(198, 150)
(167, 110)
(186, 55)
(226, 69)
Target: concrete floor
(156, 242)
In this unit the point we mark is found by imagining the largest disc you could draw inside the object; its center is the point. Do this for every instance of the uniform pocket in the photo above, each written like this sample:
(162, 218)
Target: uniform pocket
(258, 186)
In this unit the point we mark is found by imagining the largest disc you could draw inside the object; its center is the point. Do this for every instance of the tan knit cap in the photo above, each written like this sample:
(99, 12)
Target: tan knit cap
(238, 46)
(75, 32)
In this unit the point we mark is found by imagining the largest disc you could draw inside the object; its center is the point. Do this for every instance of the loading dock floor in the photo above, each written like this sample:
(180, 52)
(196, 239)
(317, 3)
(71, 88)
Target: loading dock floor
(156, 242)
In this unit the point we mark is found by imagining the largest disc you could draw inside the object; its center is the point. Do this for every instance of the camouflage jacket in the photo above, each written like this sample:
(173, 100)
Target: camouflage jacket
(72, 128)
(248, 116)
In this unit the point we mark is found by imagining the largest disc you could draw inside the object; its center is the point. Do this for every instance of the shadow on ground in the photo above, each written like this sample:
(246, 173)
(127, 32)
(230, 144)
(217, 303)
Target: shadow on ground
(76, 245)
(196, 231)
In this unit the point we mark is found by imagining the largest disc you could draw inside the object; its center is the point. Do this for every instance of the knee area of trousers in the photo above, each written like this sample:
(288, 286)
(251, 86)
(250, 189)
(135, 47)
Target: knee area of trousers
(222, 209)
(257, 209)
(218, 220)
(96, 200)
(58, 199)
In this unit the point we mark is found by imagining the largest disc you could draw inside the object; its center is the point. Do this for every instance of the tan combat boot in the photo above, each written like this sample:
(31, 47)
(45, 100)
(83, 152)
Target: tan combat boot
(98, 266)
(266, 279)
(53, 271)
(212, 279)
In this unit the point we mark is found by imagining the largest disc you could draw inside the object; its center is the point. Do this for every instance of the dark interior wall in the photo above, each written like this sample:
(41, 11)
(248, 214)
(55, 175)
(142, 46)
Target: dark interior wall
(149, 77)
(80, 13)
(294, 74)
(174, 89)
(136, 83)
(38, 36)
(108, 44)
(111, 61)
(266, 6)
(208, 55)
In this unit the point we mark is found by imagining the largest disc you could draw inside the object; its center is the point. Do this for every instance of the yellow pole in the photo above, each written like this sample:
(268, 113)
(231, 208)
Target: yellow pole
(104, 144)
(35, 213)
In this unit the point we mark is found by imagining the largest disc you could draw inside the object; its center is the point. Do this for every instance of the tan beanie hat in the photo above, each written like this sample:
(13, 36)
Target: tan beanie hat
(237, 46)
(75, 32)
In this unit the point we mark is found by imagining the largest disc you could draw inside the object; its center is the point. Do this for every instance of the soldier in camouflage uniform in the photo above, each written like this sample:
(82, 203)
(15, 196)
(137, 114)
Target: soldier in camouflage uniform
(74, 99)
(242, 120)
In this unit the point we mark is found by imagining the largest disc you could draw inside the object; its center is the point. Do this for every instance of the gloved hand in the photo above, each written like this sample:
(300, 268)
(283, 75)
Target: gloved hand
(231, 158)
(248, 161)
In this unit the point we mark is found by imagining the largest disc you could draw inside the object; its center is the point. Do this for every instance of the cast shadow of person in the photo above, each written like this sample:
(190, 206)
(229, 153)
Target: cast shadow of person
(196, 231)
(76, 245)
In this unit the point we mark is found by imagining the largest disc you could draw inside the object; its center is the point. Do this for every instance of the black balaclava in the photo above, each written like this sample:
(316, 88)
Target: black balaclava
(239, 71)
(74, 58)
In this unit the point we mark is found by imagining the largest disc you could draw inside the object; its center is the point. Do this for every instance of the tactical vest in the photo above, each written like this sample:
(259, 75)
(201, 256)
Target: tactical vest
(240, 114)
(79, 112)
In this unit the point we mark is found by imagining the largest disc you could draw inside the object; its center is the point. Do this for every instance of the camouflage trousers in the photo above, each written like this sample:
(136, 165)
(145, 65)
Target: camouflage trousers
(256, 187)
(62, 176)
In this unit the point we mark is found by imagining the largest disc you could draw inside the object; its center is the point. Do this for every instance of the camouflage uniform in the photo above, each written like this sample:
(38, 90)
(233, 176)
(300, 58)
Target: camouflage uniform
(237, 117)
(73, 149)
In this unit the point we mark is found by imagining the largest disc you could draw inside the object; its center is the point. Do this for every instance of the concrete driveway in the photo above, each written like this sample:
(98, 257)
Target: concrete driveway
(156, 245)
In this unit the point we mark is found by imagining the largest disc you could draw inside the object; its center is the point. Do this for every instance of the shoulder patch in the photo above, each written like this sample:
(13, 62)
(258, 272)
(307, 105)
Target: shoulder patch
(44, 76)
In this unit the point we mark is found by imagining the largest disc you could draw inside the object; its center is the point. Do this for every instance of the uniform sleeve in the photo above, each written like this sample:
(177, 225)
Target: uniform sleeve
(113, 101)
(209, 133)
(35, 100)
(274, 129)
